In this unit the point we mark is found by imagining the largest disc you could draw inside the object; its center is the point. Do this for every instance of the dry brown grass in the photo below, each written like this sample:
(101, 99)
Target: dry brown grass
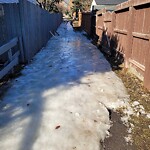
(137, 92)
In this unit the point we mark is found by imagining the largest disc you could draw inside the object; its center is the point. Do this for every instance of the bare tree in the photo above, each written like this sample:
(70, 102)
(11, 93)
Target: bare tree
(50, 5)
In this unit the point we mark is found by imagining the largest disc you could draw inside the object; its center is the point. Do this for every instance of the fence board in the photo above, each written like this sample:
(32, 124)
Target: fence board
(87, 22)
(140, 36)
(99, 26)
(7, 46)
(5, 70)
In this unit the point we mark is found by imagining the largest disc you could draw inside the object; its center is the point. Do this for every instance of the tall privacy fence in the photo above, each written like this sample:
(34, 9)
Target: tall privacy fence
(127, 31)
(30, 24)
(88, 23)
(24, 29)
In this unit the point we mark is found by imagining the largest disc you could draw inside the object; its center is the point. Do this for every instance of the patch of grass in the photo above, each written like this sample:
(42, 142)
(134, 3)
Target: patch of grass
(141, 132)
(137, 92)
(135, 88)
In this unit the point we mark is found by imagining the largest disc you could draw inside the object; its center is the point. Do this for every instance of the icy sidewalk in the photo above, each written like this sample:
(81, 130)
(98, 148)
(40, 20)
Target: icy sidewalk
(60, 102)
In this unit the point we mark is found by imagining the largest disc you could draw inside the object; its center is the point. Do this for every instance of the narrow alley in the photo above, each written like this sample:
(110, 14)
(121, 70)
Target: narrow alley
(61, 100)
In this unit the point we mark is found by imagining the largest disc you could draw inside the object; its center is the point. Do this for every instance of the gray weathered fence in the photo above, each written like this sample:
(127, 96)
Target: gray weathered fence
(36, 24)
(31, 24)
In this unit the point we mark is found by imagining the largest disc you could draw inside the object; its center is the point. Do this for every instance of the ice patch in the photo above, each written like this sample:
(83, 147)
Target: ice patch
(128, 139)
(148, 115)
(135, 103)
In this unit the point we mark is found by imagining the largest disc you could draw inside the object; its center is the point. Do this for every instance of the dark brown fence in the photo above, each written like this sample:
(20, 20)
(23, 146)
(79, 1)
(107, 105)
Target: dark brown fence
(125, 32)
(87, 22)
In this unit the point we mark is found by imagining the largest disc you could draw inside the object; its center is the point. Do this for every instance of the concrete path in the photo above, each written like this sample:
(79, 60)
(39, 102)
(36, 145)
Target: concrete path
(60, 102)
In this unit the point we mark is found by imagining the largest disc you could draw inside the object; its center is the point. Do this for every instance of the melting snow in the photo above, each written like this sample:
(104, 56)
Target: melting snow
(50, 106)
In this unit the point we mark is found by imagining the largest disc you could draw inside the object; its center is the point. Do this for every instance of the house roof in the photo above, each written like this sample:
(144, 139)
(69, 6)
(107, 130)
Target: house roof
(109, 2)
(15, 1)
(108, 7)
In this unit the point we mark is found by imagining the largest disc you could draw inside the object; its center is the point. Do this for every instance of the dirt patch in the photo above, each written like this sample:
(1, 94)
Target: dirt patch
(118, 131)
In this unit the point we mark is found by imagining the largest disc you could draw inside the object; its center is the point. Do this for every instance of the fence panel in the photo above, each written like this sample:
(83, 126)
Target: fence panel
(30, 23)
(128, 30)
(121, 30)
(86, 22)
(10, 22)
(108, 26)
(100, 23)
(140, 40)
(36, 26)
(2, 26)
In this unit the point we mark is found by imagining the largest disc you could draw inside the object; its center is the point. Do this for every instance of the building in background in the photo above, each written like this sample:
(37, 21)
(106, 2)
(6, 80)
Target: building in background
(108, 4)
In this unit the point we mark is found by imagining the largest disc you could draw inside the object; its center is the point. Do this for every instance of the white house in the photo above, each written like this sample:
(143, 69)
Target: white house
(108, 4)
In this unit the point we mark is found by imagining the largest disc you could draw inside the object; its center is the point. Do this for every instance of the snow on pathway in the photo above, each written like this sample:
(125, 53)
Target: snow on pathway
(60, 102)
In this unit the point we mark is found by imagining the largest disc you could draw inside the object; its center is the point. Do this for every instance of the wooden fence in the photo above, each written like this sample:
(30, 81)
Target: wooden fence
(2, 26)
(87, 22)
(13, 58)
(36, 24)
(24, 29)
(31, 24)
(126, 31)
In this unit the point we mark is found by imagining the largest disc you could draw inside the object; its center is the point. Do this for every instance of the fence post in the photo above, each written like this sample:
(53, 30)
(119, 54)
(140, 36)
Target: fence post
(80, 18)
(129, 36)
(113, 23)
(10, 58)
(21, 38)
(147, 69)
(21, 49)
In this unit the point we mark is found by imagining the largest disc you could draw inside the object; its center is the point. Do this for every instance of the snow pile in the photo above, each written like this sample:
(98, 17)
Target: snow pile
(133, 109)
(61, 101)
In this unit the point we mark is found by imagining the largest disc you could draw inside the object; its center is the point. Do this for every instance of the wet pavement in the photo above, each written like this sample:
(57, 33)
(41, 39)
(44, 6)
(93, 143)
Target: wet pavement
(61, 100)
